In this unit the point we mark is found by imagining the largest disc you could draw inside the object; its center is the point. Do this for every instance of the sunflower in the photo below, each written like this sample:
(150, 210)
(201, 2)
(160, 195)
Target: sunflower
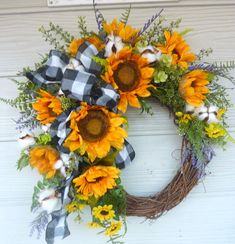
(97, 180)
(176, 46)
(125, 32)
(76, 43)
(114, 228)
(44, 158)
(130, 75)
(94, 131)
(103, 213)
(193, 87)
(48, 107)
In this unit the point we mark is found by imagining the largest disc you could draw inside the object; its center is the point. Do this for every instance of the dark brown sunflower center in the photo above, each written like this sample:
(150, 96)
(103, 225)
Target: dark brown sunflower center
(126, 76)
(104, 212)
(51, 112)
(94, 126)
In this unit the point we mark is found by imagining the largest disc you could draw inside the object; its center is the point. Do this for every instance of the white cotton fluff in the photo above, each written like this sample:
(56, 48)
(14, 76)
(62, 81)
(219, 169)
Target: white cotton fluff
(114, 45)
(151, 53)
(49, 200)
(26, 139)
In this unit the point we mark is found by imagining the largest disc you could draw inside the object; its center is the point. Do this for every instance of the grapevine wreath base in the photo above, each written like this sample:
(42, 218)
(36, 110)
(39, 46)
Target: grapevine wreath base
(154, 206)
(73, 125)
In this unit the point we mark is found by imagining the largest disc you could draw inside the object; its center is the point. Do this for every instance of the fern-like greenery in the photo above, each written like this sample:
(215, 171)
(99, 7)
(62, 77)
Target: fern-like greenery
(56, 36)
(227, 66)
(125, 16)
(82, 26)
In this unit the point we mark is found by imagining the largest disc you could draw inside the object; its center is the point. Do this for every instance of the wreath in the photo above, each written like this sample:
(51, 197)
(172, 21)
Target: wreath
(73, 125)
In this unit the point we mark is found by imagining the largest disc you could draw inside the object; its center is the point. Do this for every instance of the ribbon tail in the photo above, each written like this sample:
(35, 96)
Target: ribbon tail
(125, 156)
(57, 228)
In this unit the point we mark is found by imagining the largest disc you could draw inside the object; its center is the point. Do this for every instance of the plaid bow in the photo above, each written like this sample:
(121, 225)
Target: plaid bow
(52, 71)
(84, 85)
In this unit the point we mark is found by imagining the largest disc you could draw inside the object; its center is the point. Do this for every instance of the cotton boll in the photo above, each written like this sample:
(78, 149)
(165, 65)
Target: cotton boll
(58, 164)
(46, 127)
(26, 139)
(75, 65)
(151, 53)
(212, 109)
(189, 108)
(212, 118)
(60, 93)
(49, 200)
(114, 45)
(203, 116)
(201, 109)
(65, 158)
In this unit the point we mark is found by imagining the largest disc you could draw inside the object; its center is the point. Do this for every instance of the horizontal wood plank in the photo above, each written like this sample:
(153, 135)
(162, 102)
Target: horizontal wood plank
(212, 28)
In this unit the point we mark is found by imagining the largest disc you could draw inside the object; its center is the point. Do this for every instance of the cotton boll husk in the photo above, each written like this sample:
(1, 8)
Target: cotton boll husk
(203, 116)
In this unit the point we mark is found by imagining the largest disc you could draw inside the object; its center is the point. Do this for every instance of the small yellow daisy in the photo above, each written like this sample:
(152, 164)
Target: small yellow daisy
(74, 206)
(93, 225)
(114, 228)
(103, 213)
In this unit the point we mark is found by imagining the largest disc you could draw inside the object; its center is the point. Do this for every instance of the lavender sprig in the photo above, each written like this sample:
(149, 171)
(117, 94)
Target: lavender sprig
(39, 224)
(99, 17)
(147, 25)
(212, 68)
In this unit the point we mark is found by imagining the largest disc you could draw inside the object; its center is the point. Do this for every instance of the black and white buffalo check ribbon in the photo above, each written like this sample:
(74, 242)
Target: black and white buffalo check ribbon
(79, 85)
(57, 228)
(52, 71)
(83, 86)
(85, 53)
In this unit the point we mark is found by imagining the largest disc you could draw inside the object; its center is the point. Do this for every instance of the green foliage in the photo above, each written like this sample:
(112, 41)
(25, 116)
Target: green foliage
(43, 59)
(23, 161)
(156, 32)
(145, 107)
(167, 92)
(56, 37)
(55, 182)
(67, 103)
(185, 32)
(44, 139)
(117, 198)
(218, 95)
(125, 15)
(109, 160)
(101, 61)
(225, 66)
(194, 132)
(82, 26)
